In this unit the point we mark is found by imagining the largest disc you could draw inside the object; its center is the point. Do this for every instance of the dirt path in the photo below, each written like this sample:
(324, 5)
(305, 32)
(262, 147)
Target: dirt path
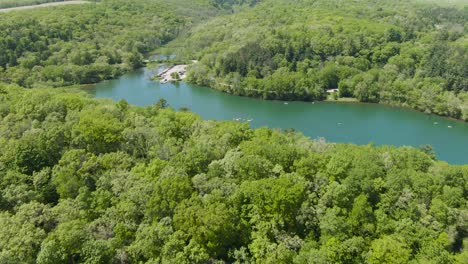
(43, 5)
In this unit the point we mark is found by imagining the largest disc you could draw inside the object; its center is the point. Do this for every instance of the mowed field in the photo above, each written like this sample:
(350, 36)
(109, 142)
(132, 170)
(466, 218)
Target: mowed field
(27, 4)
(455, 3)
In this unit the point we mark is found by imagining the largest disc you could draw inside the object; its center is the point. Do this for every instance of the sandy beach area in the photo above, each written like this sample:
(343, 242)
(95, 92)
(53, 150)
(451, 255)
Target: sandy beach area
(168, 74)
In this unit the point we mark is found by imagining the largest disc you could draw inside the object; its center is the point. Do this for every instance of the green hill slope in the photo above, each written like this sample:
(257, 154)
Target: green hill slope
(400, 53)
(87, 43)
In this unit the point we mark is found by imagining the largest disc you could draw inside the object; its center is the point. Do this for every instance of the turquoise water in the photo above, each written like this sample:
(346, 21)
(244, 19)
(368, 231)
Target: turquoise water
(336, 122)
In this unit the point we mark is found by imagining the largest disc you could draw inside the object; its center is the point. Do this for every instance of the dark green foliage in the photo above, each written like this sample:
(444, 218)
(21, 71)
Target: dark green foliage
(230, 3)
(402, 53)
(87, 43)
(122, 184)
(405, 53)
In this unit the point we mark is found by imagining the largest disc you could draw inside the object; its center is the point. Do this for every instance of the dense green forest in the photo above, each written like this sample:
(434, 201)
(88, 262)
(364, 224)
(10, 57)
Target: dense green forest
(92, 181)
(402, 53)
(90, 42)
(405, 53)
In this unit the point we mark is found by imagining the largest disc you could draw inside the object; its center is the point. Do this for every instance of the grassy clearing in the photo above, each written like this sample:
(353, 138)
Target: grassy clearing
(40, 4)
(17, 3)
(455, 3)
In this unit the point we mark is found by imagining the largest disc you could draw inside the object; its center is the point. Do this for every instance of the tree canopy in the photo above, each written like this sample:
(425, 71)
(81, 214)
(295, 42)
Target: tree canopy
(404, 53)
(88, 43)
(94, 181)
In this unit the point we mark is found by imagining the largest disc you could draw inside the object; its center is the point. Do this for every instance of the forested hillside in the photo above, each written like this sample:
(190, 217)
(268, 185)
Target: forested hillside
(94, 181)
(89, 181)
(409, 53)
(90, 42)
(405, 53)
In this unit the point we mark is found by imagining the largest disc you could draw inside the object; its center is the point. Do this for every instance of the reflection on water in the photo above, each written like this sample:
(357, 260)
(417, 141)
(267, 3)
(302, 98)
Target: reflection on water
(337, 122)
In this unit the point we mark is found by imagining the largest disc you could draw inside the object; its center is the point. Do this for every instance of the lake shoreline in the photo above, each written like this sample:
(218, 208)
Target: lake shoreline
(405, 108)
(347, 101)
(351, 100)
(342, 122)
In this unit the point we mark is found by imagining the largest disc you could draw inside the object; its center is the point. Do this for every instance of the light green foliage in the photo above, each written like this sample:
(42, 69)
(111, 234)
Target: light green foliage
(273, 199)
(129, 184)
(20, 239)
(211, 224)
(73, 173)
(388, 250)
(98, 131)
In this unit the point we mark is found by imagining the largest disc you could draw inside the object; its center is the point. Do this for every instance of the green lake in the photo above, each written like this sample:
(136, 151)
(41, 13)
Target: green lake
(336, 122)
